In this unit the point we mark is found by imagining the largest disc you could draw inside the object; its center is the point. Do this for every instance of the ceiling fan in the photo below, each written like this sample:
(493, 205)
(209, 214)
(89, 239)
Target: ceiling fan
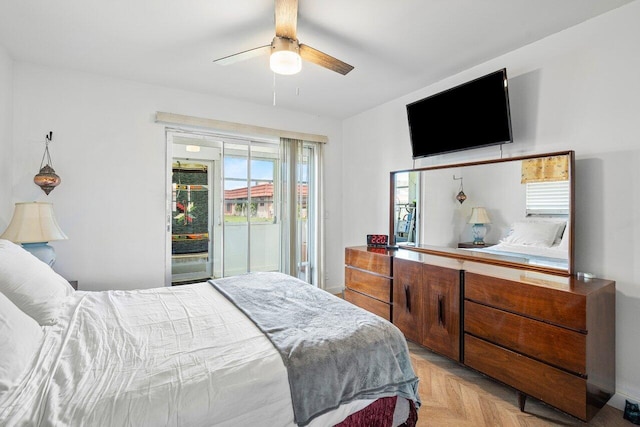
(286, 52)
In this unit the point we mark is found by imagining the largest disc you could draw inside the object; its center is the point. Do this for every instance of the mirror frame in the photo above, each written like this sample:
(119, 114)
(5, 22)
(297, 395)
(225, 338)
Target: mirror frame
(483, 257)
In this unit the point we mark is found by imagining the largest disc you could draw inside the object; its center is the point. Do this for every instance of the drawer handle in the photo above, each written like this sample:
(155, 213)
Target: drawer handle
(407, 298)
(441, 310)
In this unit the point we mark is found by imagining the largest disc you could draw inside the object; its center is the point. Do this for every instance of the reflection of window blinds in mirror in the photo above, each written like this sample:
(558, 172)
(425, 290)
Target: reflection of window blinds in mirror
(547, 198)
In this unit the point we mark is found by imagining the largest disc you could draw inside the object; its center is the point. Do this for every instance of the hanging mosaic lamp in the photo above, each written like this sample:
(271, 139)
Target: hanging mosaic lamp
(47, 179)
(461, 197)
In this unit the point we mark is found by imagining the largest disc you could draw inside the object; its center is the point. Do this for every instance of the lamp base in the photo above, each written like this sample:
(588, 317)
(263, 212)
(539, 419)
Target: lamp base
(42, 251)
(479, 231)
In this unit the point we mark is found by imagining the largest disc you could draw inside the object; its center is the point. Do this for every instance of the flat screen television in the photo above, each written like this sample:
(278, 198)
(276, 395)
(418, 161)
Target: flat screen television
(471, 115)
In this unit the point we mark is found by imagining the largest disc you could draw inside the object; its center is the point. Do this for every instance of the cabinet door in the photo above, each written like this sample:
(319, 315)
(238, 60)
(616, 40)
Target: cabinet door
(442, 312)
(408, 299)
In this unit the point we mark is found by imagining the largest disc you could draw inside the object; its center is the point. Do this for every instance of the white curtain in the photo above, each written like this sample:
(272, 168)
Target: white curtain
(289, 149)
(302, 245)
(319, 274)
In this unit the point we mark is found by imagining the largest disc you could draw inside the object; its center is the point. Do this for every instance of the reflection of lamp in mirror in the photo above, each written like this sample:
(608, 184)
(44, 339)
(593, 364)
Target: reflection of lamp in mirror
(479, 218)
(34, 225)
(461, 197)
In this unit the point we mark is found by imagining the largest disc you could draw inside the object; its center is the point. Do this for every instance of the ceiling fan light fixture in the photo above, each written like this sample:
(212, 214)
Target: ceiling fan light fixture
(285, 57)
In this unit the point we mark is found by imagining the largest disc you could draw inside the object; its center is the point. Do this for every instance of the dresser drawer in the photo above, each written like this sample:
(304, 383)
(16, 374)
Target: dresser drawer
(378, 287)
(539, 302)
(560, 347)
(370, 261)
(558, 388)
(374, 306)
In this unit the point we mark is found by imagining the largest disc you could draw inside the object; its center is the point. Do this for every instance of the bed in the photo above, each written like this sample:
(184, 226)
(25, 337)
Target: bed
(195, 354)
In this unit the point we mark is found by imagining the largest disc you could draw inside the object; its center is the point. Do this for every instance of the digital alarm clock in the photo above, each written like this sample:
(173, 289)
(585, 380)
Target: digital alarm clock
(377, 240)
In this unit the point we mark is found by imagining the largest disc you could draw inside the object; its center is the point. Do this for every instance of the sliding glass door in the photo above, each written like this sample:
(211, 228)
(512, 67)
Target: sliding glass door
(251, 226)
(239, 205)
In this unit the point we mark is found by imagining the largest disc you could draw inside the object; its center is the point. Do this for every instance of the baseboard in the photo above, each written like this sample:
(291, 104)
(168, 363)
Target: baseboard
(618, 400)
(335, 290)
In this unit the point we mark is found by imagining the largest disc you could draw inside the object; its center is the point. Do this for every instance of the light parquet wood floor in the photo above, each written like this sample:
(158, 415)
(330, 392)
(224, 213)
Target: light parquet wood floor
(453, 395)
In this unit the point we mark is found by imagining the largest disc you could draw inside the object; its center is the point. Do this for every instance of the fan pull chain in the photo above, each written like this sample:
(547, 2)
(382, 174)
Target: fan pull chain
(274, 89)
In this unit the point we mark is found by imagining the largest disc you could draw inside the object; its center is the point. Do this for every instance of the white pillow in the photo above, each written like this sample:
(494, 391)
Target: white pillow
(564, 242)
(538, 233)
(560, 233)
(20, 338)
(561, 228)
(31, 284)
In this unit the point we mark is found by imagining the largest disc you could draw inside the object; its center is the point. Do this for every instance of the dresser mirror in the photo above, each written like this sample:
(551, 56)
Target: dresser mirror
(516, 212)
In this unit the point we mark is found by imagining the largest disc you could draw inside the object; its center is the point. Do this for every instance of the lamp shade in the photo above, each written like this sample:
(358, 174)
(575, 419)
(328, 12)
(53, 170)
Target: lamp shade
(33, 222)
(479, 216)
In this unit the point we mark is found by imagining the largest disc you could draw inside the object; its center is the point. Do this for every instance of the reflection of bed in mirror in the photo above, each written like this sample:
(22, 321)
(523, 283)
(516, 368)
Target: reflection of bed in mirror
(552, 257)
(540, 242)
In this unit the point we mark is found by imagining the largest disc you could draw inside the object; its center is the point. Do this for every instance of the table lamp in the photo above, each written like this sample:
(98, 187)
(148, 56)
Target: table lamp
(34, 225)
(479, 218)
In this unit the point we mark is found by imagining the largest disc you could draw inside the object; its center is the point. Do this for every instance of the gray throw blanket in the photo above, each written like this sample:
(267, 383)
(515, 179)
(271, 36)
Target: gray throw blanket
(334, 352)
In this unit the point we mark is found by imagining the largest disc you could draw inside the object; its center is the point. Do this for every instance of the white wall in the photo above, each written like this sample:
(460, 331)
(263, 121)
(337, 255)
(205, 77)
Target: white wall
(110, 155)
(6, 148)
(578, 90)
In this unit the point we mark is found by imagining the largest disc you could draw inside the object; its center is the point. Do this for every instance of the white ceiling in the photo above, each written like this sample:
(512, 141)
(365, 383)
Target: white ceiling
(396, 46)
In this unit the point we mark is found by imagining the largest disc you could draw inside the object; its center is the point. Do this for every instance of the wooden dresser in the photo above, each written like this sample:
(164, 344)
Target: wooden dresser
(368, 273)
(552, 338)
(549, 337)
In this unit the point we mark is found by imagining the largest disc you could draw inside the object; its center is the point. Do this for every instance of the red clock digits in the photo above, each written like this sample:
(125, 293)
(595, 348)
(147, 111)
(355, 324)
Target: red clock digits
(377, 239)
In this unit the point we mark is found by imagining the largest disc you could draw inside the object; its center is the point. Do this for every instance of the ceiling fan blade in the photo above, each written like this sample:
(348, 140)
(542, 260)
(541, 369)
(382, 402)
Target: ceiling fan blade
(286, 17)
(320, 58)
(241, 56)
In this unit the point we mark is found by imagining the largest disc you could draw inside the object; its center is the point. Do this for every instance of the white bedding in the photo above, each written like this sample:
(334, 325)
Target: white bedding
(550, 252)
(554, 256)
(182, 356)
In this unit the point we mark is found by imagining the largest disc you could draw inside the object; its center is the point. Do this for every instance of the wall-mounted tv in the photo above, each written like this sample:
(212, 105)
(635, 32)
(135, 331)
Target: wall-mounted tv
(473, 114)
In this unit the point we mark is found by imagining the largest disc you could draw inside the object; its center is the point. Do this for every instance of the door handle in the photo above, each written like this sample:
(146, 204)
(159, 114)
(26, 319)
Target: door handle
(441, 310)
(407, 298)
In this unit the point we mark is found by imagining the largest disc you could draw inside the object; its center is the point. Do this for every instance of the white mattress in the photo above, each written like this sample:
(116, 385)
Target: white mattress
(181, 356)
(549, 252)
